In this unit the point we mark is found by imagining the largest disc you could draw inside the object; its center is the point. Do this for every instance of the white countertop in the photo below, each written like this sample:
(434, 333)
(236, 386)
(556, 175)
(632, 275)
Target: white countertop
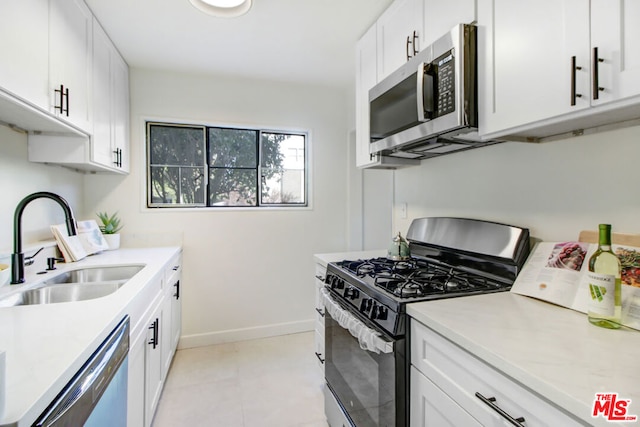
(354, 255)
(551, 350)
(47, 344)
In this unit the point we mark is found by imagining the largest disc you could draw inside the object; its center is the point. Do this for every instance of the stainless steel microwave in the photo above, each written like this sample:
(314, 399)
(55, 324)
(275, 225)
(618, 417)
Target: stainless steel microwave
(428, 107)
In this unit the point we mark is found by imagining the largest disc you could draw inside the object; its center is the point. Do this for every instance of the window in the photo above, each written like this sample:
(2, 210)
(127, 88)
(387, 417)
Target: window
(206, 166)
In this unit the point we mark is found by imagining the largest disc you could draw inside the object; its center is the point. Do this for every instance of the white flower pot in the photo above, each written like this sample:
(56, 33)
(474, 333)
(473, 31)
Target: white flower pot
(113, 240)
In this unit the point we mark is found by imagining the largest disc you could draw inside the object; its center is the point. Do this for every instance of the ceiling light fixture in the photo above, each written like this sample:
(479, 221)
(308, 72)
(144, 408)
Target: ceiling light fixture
(223, 8)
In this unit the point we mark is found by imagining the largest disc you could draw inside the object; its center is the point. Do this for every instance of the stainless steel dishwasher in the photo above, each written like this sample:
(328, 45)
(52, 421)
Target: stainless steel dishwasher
(97, 394)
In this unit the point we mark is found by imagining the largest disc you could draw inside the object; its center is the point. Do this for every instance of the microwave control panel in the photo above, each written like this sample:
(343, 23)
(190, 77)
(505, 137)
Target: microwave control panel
(445, 84)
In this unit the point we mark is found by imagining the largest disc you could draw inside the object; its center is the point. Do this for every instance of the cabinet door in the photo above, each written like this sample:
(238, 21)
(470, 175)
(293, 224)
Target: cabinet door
(431, 407)
(101, 140)
(366, 78)
(24, 43)
(176, 315)
(70, 36)
(615, 36)
(153, 365)
(399, 31)
(120, 109)
(441, 16)
(135, 389)
(525, 68)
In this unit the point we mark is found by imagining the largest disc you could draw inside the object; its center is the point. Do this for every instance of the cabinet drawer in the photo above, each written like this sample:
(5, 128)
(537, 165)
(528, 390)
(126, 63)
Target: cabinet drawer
(431, 407)
(461, 375)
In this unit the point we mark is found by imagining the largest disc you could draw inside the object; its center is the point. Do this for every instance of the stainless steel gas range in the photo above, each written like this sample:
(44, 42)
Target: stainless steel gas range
(366, 342)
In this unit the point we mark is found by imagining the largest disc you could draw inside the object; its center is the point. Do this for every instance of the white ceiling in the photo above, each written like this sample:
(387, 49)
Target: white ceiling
(310, 41)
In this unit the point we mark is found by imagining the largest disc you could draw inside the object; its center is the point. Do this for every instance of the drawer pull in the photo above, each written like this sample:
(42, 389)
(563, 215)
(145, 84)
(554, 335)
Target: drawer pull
(490, 402)
(320, 312)
(320, 278)
(319, 356)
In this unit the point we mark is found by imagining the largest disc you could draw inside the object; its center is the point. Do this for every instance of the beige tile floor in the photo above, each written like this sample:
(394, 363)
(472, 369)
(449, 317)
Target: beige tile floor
(258, 383)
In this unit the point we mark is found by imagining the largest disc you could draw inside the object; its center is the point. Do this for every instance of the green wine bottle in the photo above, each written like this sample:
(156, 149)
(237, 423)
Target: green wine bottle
(605, 307)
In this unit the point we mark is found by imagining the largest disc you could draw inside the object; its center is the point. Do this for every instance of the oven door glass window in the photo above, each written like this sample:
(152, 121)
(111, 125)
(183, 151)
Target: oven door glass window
(363, 382)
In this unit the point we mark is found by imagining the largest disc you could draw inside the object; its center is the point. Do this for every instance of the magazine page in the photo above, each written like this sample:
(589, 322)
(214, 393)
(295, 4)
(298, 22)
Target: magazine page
(88, 241)
(70, 246)
(553, 272)
(91, 237)
(556, 272)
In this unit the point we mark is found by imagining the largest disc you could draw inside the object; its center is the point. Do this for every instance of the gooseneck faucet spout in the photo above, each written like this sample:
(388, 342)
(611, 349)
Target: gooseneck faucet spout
(17, 258)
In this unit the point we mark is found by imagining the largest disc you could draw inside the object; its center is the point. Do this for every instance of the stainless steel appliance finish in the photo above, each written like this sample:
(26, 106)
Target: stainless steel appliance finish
(428, 107)
(97, 394)
(450, 257)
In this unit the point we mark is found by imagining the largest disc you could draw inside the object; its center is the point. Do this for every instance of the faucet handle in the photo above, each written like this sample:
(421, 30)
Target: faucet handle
(51, 262)
(29, 259)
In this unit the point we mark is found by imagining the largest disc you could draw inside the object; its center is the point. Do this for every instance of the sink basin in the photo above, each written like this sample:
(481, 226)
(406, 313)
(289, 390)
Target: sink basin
(62, 293)
(75, 285)
(96, 274)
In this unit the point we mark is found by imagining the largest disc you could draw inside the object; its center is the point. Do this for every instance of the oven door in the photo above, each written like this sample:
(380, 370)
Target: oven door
(367, 372)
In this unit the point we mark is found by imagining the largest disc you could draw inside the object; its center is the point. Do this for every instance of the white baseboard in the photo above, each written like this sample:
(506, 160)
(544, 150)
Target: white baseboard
(234, 335)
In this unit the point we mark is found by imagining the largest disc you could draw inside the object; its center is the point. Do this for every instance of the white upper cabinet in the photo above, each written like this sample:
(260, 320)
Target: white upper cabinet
(441, 16)
(70, 58)
(526, 68)
(110, 137)
(537, 81)
(366, 78)
(399, 32)
(615, 38)
(24, 71)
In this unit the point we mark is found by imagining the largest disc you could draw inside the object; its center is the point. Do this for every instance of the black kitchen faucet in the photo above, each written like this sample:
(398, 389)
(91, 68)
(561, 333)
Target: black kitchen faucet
(17, 258)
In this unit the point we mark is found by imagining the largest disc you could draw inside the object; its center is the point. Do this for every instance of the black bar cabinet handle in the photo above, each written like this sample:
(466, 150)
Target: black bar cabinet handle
(574, 67)
(66, 95)
(154, 338)
(320, 278)
(596, 74)
(489, 401)
(177, 286)
(320, 312)
(319, 356)
(415, 43)
(406, 48)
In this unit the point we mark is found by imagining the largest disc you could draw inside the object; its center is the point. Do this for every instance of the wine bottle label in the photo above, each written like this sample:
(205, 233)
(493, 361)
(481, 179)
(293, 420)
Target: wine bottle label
(602, 289)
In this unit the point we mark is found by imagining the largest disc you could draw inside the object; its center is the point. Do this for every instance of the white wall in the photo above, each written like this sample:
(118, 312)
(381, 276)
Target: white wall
(555, 189)
(246, 272)
(19, 178)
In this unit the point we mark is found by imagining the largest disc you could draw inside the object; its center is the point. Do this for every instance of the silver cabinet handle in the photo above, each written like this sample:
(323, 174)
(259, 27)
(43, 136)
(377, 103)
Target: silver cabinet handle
(490, 402)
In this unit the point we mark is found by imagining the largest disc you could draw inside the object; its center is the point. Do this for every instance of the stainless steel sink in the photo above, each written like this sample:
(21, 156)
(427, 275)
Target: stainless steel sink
(62, 293)
(75, 285)
(96, 274)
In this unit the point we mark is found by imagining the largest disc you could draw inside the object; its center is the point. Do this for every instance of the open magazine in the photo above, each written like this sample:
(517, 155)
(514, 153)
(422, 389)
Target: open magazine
(557, 271)
(88, 241)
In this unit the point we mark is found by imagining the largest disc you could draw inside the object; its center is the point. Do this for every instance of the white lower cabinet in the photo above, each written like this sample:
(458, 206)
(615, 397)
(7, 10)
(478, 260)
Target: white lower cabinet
(156, 326)
(321, 270)
(450, 386)
(431, 407)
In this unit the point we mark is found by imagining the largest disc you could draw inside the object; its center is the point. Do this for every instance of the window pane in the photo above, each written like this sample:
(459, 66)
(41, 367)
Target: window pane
(175, 185)
(176, 145)
(233, 148)
(233, 187)
(176, 164)
(283, 168)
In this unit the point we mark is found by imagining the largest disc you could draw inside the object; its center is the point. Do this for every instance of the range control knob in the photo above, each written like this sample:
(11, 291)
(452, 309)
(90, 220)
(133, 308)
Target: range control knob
(351, 292)
(365, 305)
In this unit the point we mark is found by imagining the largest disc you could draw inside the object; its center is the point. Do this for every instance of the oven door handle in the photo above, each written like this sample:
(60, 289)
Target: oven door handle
(369, 339)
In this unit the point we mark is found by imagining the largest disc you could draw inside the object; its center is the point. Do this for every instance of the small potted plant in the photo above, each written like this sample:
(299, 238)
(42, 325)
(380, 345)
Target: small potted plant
(111, 225)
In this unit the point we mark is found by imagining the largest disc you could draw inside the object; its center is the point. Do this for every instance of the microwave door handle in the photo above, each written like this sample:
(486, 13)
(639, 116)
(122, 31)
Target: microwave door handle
(423, 76)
